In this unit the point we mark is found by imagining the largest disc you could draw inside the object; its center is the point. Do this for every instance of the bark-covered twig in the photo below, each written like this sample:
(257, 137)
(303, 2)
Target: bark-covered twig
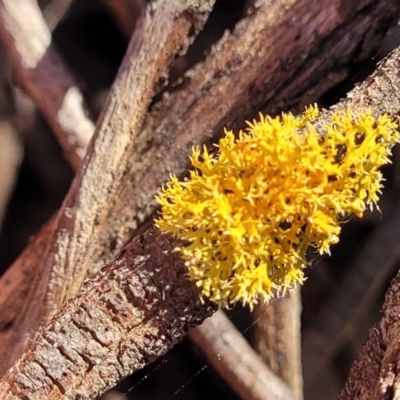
(132, 312)
(164, 31)
(104, 293)
(209, 107)
(40, 71)
(237, 362)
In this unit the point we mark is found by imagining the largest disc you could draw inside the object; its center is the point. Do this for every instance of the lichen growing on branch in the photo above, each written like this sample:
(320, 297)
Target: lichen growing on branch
(248, 213)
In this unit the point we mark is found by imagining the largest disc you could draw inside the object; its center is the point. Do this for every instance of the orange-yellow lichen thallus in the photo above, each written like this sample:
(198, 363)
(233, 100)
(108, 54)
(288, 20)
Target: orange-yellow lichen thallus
(249, 212)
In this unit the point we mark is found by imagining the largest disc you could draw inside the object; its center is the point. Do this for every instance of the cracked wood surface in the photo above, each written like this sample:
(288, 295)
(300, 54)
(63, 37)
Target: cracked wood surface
(132, 312)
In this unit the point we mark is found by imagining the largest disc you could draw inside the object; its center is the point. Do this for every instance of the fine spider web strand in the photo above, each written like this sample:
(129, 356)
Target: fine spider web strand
(146, 376)
(162, 362)
(190, 380)
(216, 357)
(170, 357)
(316, 260)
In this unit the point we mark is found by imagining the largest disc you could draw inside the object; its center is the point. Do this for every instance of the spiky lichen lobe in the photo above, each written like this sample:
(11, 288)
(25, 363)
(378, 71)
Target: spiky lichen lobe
(249, 212)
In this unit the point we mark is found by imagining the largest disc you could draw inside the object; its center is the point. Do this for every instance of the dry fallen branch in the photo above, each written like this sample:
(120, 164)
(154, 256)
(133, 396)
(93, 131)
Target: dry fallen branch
(132, 312)
(67, 257)
(213, 87)
(339, 317)
(40, 71)
(384, 77)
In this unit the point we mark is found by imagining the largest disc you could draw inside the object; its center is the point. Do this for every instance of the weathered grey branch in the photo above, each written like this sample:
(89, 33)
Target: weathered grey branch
(40, 71)
(68, 255)
(132, 312)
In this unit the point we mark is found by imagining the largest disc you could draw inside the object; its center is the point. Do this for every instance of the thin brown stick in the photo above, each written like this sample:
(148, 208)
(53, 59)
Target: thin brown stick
(40, 71)
(132, 312)
(277, 338)
(236, 361)
(10, 158)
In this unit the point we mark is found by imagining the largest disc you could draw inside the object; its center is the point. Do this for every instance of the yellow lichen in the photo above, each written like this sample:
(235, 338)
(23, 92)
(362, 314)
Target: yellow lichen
(248, 213)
